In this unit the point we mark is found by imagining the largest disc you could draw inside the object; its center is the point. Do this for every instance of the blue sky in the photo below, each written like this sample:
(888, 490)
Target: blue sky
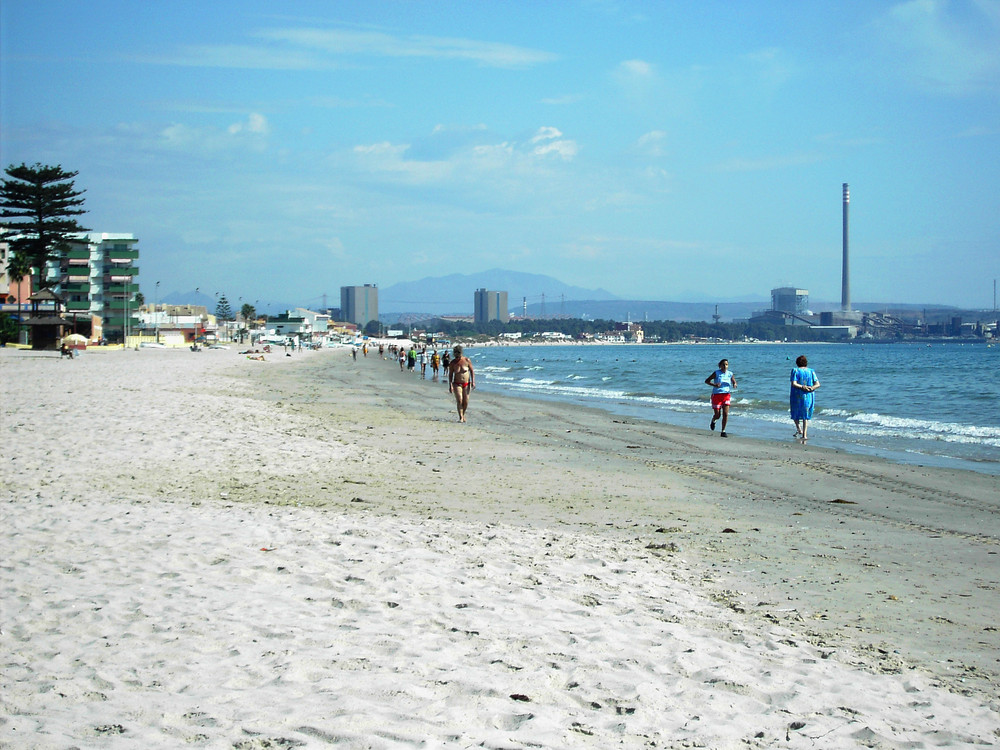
(660, 150)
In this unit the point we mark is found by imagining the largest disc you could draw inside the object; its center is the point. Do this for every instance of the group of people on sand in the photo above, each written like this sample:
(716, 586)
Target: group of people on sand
(458, 368)
(804, 383)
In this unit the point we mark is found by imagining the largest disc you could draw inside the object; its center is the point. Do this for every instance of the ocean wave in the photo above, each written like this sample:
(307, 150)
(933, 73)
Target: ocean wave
(557, 388)
(924, 425)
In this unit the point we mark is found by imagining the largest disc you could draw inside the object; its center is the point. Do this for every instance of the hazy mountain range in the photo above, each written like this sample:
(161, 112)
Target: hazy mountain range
(540, 296)
(455, 294)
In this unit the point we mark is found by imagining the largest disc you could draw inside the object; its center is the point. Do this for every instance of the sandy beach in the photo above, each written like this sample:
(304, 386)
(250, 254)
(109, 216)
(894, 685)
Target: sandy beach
(209, 551)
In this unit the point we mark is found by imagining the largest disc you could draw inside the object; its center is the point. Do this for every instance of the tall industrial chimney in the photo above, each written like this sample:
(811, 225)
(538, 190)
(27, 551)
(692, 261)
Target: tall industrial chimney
(845, 281)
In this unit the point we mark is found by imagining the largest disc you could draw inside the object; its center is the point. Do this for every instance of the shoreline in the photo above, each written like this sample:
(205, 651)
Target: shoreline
(746, 482)
(888, 571)
(765, 423)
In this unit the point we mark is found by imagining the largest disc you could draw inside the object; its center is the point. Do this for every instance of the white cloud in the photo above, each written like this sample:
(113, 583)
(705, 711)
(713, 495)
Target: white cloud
(550, 141)
(242, 57)
(389, 160)
(564, 149)
(636, 69)
(545, 134)
(653, 143)
(951, 48)
(248, 133)
(255, 123)
(639, 80)
(380, 44)
(382, 149)
(306, 48)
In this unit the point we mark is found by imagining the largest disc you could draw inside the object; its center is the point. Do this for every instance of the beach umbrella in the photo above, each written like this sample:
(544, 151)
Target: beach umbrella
(75, 339)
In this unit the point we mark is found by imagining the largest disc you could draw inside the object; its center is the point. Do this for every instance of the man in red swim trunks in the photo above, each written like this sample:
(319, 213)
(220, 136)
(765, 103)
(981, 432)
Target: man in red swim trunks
(461, 380)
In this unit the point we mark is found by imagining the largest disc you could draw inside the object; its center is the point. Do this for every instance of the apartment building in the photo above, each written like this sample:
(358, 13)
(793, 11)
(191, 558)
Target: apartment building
(96, 276)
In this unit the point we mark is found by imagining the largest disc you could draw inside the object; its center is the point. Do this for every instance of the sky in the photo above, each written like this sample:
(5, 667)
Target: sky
(685, 151)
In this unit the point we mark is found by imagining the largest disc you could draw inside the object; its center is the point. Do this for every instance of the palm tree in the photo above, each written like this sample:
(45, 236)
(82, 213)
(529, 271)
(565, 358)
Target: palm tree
(17, 268)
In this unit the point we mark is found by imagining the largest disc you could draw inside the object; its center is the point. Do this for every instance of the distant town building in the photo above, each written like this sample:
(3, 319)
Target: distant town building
(359, 304)
(790, 300)
(177, 325)
(300, 323)
(491, 306)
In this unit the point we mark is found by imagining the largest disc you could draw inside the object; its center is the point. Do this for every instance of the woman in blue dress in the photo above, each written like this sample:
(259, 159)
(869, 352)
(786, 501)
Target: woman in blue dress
(804, 382)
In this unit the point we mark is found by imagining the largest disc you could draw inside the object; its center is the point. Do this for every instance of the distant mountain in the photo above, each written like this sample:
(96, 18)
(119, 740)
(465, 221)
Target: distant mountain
(637, 311)
(455, 294)
(193, 297)
(209, 302)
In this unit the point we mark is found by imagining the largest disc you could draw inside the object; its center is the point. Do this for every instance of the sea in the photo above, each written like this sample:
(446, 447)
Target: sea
(917, 403)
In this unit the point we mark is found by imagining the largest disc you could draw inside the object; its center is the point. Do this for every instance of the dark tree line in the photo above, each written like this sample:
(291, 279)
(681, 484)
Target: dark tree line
(662, 330)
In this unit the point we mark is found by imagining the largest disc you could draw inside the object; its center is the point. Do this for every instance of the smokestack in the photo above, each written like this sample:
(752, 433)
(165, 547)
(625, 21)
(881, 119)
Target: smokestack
(845, 281)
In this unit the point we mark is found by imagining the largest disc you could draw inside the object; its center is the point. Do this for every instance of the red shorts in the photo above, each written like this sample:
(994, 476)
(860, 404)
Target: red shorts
(721, 399)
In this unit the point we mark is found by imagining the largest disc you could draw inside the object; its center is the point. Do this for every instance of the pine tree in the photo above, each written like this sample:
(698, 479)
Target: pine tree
(223, 310)
(43, 201)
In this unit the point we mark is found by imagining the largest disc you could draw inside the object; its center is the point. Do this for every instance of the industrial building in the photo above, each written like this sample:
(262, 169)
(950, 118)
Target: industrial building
(790, 300)
(359, 304)
(491, 306)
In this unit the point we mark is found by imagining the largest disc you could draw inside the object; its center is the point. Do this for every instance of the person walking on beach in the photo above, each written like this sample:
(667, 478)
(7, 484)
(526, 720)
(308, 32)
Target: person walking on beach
(435, 365)
(461, 380)
(723, 383)
(804, 383)
(423, 363)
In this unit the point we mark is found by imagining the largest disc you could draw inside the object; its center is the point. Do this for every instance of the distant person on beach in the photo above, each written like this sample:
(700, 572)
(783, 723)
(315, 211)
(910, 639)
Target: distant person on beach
(435, 364)
(461, 380)
(723, 383)
(804, 383)
(423, 363)
(446, 361)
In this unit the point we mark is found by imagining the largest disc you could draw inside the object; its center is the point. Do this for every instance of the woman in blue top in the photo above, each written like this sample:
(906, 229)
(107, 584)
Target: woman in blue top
(804, 382)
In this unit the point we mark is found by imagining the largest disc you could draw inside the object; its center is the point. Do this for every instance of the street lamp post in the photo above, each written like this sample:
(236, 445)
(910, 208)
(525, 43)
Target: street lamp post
(156, 314)
(125, 323)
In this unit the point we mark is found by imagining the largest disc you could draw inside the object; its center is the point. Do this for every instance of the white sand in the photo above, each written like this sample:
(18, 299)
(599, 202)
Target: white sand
(199, 554)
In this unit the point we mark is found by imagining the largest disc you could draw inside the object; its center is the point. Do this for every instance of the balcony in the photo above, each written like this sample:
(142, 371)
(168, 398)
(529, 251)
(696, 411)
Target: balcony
(121, 304)
(81, 306)
(78, 273)
(75, 288)
(120, 274)
(77, 255)
(122, 256)
(121, 289)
